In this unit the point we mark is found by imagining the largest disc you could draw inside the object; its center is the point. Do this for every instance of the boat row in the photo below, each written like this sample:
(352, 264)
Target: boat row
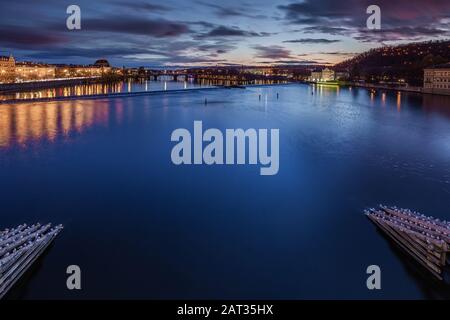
(19, 249)
(424, 238)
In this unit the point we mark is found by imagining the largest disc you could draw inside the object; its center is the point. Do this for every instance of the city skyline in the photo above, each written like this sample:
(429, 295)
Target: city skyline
(200, 33)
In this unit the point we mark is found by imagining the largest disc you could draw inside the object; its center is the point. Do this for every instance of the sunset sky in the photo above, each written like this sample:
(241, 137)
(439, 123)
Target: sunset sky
(202, 32)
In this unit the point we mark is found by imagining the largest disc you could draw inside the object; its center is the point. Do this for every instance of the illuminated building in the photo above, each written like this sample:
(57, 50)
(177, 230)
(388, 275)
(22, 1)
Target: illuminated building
(7, 69)
(80, 71)
(437, 79)
(26, 71)
(316, 76)
(327, 75)
(323, 75)
(10, 71)
(265, 71)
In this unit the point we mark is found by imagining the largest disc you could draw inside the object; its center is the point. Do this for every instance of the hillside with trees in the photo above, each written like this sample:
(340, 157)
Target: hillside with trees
(397, 63)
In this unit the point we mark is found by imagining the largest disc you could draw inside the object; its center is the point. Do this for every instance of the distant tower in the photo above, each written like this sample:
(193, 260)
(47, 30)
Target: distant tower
(7, 69)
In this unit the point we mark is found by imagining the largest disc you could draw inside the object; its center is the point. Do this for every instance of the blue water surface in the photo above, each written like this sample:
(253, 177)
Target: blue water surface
(141, 227)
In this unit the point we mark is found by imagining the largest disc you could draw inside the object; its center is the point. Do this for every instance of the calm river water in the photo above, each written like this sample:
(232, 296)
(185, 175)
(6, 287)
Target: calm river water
(141, 227)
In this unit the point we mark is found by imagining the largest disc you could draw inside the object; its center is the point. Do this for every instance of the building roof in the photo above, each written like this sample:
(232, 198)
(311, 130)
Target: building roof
(440, 66)
(102, 63)
(32, 64)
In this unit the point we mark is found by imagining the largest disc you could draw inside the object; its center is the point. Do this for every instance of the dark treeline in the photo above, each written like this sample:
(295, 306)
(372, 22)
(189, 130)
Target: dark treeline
(392, 63)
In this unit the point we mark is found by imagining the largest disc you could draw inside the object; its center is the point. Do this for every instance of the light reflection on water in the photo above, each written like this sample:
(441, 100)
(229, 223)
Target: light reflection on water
(119, 87)
(23, 123)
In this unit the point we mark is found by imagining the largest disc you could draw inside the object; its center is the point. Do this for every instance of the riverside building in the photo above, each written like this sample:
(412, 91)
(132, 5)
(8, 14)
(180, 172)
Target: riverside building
(7, 69)
(437, 79)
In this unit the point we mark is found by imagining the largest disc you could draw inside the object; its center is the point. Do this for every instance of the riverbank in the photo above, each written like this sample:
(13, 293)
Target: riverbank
(26, 86)
(383, 87)
(399, 88)
(386, 87)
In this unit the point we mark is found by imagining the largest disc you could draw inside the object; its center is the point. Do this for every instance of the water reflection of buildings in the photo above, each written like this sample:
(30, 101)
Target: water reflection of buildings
(437, 104)
(399, 101)
(77, 90)
(27, 123)
(118, 87)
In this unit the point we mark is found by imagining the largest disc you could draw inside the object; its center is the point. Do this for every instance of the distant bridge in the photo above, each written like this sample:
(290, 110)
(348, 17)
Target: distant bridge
(155, 74)
(192, 74)
(174, 76)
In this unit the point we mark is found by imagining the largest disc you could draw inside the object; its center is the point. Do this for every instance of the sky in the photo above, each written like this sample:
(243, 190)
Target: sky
(204, 32)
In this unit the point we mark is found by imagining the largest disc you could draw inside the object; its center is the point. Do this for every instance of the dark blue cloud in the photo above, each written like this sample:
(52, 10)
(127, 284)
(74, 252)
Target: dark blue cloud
(185, 31)
(312, 40)
(136, 26)
(401, 19)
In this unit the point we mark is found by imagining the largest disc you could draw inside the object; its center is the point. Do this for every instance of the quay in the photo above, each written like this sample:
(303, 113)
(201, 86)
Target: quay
(426, 239)
(20, 247)
(372, 86)
(46, 84)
